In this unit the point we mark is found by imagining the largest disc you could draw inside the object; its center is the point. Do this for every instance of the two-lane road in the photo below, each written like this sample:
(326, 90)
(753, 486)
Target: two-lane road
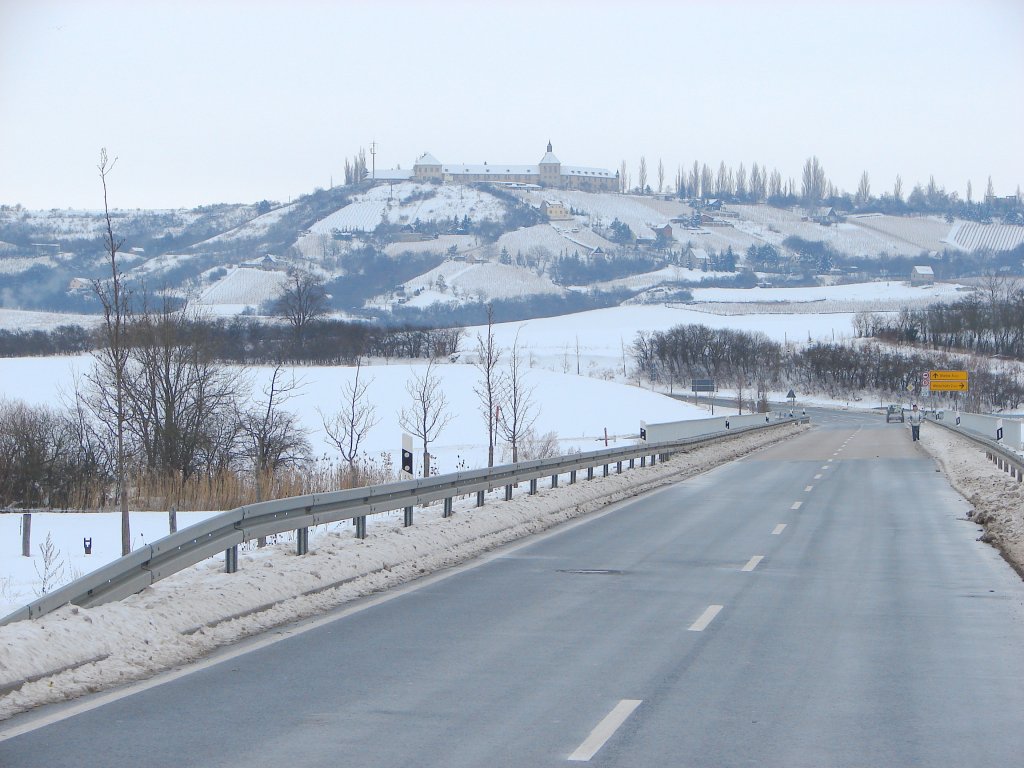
(817, 604)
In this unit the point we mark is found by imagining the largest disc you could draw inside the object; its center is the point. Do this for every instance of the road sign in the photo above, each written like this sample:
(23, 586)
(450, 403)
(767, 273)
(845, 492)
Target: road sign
(949, 386)
(702, 385)
(948, 375)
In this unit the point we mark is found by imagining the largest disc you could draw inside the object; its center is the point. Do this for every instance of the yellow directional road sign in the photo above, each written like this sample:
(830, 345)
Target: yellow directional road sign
(948, 375)
(949, 386)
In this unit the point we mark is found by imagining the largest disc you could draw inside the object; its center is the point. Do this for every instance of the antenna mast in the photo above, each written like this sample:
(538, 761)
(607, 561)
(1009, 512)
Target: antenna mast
(373, 159)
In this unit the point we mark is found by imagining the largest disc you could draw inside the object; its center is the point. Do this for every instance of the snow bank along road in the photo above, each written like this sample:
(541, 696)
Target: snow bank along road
(821, 602)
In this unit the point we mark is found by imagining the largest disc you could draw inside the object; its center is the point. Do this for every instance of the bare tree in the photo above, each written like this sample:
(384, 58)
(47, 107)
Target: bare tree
(863, 189)
(348, 428)
(303, 301)
(623, 178)
(112, 358)
(518, 413)
(897, 189)
(814, 183)
(661, 176)
(489, 388)
(641, 177)
(429, 413)
(273, 437)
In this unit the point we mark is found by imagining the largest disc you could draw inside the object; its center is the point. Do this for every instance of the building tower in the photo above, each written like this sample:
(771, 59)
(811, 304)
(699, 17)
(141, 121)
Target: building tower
(550, 169)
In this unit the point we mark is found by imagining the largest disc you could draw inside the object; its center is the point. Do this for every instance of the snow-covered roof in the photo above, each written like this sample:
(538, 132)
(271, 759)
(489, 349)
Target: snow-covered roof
(549, 203)
(427, 159)
(549, 157)
(393, 174)
(923, 271)
(578, 170)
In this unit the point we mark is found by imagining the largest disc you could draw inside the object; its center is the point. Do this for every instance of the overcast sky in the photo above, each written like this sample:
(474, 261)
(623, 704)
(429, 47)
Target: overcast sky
(218, 101)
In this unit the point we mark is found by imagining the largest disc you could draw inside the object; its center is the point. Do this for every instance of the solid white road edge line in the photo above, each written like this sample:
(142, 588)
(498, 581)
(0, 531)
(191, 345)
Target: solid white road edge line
(604, 730)
(752, 563)
(705, 618)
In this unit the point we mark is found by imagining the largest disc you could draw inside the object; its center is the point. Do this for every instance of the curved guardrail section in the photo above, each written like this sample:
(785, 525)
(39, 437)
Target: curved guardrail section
(224, 532)
(1005, 459)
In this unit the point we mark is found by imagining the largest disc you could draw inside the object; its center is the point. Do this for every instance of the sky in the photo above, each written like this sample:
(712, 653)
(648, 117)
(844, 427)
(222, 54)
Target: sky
(231, 101)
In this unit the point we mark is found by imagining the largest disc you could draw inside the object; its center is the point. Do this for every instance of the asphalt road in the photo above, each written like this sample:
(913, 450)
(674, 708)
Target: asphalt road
(820, 603)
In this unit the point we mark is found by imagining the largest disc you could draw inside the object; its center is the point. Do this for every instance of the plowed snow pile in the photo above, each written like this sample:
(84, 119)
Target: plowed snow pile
(997, 498)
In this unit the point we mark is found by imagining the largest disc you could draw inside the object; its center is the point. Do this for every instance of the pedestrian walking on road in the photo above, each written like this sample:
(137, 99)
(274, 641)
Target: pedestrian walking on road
(916, 417)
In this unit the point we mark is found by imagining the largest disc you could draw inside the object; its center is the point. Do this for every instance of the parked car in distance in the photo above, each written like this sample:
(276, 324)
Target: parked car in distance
(894, 413)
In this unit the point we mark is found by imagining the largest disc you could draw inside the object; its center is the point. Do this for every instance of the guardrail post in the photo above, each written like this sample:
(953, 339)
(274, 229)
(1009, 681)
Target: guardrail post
(654, 459)
(508, 493)
(407, 520)
(231, 559)
(479, 498)
(605, 471)
(302, 541)
(590, 473)
(533, 487)
(631, 463)
(643, 461)
(618, 467)
(554, 481)
(572, 477)
(447, 507)
(360, 527)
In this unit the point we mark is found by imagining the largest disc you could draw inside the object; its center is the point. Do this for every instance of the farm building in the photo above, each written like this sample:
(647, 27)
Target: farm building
(922, 276)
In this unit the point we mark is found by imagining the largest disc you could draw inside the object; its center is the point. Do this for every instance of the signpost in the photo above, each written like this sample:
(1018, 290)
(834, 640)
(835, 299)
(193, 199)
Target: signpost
(948, 381)
(703, 385)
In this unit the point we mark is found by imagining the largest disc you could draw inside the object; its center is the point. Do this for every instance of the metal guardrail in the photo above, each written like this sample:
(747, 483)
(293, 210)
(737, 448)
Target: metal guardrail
(1003, 457)
(224, 532)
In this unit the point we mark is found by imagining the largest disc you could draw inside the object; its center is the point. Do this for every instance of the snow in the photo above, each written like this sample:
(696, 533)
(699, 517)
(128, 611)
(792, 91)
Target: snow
(245, 287)
(482, 282)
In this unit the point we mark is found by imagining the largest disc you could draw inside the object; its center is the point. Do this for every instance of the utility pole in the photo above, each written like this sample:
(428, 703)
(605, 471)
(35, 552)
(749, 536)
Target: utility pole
(373, 159)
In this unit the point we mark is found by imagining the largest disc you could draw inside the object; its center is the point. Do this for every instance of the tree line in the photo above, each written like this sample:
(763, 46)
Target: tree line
(989, 322)
(751, 362)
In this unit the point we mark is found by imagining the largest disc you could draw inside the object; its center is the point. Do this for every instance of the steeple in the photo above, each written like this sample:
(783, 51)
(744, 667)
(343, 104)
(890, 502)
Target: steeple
(549, 145)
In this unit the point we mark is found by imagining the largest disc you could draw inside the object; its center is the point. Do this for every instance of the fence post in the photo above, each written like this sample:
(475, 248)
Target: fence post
(26, 534)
